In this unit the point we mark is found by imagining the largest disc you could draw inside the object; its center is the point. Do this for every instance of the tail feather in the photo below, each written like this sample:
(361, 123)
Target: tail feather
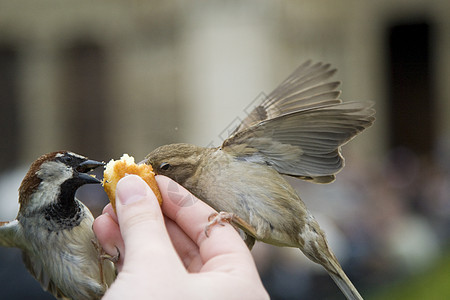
(346, 286)
(320, 252)
(340, 278)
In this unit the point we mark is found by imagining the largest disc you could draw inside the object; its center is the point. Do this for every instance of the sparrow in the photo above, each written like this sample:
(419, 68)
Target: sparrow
(298, 130)
(54, 229)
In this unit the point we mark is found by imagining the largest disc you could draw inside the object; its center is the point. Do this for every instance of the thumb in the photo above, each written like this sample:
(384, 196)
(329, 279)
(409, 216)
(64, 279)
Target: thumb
(141, 225)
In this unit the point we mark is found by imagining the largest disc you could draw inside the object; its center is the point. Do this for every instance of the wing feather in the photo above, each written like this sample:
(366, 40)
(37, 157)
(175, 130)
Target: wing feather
(301, 125)
(306, 143)
(9, 234)
(305, 88)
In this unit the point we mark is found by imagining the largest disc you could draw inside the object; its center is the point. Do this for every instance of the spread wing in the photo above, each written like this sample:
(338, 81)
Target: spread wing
(305, 87)
(11, 236)
(300, 128)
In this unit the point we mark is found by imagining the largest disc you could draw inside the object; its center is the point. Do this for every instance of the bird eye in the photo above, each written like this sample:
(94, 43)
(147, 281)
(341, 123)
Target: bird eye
(164, 166)
(67, 159)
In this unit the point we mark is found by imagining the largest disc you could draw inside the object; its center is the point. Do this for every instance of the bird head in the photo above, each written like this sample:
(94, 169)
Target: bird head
(55, 177)
(177, 161)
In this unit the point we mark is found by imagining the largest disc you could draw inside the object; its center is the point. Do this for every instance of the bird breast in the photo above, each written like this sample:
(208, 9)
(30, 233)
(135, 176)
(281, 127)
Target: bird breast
(64, 258)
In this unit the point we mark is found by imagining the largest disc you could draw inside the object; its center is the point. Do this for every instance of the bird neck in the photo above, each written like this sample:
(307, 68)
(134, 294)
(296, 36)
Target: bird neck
(64, 215)
(66, 211)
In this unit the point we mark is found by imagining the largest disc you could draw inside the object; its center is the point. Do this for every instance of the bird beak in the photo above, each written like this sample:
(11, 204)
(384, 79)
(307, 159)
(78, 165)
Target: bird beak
(142, 162)
(87, 166)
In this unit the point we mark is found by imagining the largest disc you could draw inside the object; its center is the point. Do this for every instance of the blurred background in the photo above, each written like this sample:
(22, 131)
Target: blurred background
(110, 77)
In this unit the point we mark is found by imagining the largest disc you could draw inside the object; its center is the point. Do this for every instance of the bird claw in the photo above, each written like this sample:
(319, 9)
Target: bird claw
(218, 219)
(113, 258)
(231, 218)
(102, 255)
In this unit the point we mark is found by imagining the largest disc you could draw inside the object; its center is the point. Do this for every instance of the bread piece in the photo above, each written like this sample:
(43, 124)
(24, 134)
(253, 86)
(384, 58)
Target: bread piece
(116, 169)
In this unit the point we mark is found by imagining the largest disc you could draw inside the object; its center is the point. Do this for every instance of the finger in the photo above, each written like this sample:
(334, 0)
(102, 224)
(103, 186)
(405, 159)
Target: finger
(191, 215)
(187, 250)
(108, 209)
(108, 234)
(147, 244)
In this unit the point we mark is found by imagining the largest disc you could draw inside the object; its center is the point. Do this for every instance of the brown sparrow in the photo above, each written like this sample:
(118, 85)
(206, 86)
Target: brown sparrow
(54, 229)
(297, 131)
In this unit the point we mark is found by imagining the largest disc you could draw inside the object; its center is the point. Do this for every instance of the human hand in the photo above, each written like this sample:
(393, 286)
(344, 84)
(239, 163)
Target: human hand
(164, 253)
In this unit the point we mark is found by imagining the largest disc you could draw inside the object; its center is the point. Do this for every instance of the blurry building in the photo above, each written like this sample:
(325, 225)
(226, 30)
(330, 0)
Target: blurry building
(113, 76)
(107, 77)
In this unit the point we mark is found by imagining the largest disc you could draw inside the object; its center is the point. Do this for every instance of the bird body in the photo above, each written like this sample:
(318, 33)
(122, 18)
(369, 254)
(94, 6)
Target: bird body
(215, 168)
(275, 213)
(298, 131)
(54, 229)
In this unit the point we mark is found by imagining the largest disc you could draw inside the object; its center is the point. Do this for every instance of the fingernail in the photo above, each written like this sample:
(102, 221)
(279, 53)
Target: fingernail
(130, 189)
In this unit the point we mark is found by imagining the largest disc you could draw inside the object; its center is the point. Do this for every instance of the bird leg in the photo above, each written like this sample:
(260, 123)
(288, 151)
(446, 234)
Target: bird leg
(102, 256)
(233, 219)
